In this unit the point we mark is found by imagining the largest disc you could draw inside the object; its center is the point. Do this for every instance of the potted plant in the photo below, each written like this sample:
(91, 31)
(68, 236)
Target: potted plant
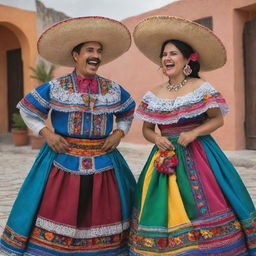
(19, 130)
(42, 73)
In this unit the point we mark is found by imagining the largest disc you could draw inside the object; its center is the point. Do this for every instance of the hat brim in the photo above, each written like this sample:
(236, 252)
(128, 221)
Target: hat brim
(151, 32)
(56, 43)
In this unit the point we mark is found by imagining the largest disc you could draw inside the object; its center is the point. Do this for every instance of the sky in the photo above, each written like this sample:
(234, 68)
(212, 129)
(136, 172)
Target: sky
(115, 9)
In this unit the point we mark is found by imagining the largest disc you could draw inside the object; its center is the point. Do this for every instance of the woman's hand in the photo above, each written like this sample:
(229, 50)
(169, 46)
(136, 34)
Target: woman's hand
(55, 141)
(163, 143)
(187, 137)
(111, 142)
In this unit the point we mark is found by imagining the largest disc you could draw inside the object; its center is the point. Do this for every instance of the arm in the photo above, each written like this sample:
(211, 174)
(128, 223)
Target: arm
(149, 134)
(54, 140)
(124, 119)
(124, 122)
(214, 121)
(38, 127)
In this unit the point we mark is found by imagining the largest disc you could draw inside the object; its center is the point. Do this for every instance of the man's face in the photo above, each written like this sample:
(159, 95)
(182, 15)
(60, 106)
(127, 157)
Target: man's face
(88, 60)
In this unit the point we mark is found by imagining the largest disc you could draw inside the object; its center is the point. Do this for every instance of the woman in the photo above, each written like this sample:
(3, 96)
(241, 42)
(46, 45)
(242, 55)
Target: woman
(189, 199)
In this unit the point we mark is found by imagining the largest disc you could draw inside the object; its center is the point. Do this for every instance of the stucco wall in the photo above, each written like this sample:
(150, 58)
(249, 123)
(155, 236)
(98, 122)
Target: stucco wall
(138, 74)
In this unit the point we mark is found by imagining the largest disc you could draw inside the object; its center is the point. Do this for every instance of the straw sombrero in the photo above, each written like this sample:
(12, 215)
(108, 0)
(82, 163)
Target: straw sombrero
(151, 32)
(56, 43)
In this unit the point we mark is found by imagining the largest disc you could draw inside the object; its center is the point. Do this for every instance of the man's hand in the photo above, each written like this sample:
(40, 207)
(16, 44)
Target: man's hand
(55, 141)
(112, 142)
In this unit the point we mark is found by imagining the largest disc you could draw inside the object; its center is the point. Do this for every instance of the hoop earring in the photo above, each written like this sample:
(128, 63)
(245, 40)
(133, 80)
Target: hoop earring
(187, 70)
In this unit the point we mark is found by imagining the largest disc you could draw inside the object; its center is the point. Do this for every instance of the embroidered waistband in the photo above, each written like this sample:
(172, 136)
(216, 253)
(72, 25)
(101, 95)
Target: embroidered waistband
(85, 147)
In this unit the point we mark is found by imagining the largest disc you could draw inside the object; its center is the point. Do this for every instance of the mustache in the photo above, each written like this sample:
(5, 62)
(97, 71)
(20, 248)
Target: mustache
(93, 59)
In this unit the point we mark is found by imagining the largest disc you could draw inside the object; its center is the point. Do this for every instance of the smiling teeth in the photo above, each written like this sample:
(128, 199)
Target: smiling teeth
(93, 62)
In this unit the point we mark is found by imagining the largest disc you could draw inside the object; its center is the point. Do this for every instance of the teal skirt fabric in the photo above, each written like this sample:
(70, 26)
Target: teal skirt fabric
(23, 213)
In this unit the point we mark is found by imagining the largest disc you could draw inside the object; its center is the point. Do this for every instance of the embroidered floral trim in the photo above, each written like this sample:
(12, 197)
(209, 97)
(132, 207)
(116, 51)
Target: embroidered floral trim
(13, 238)
(82, 171)
(64, 244)
(62, 97)
(75, 123)
(156, 103)
(176, 119)
(196, 187)
(82, 233)
(99, 125)
(86, 164)
(164, 111)
(207, 231)
(249, 227)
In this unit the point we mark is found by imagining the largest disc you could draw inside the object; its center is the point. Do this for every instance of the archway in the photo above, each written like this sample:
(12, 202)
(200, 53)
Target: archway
(14, 58)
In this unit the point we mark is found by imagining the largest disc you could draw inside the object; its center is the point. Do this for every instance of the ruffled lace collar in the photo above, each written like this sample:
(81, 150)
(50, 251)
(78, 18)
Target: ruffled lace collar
(159, 104)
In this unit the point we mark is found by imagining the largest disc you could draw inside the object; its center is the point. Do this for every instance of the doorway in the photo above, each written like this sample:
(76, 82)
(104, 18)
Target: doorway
(14, 81)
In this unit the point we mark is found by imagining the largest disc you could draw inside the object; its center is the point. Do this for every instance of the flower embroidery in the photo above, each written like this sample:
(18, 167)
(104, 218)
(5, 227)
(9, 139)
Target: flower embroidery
(206, 234)
(49, 236)
(68, 241)
(105, 85)
(207, 96)
(162, 242)
(36, 231)
(149, 242)
(86, 163)
(178, 240)
(237, 225)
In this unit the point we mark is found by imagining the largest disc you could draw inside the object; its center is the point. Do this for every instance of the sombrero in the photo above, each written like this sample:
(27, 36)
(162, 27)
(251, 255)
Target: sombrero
(56, 43)
(151, 32)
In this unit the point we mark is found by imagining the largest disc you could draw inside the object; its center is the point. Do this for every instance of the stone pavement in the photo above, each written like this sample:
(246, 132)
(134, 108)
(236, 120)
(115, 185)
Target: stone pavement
(15, 163)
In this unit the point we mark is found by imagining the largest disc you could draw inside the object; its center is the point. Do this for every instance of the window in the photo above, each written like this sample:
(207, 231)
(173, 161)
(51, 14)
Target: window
(207, 22)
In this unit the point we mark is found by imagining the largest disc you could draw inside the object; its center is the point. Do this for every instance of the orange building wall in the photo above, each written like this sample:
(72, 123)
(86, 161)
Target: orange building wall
(8, 41)
(18, 30)
(137, 74)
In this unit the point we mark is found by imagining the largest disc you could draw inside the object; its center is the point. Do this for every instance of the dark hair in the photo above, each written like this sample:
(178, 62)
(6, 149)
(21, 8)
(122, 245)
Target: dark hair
(78, 48)
(186, 51)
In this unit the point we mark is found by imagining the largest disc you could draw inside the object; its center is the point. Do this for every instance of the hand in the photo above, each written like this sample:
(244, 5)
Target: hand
(163, 143)
(111, 142)
(187, 137)
(55, 141)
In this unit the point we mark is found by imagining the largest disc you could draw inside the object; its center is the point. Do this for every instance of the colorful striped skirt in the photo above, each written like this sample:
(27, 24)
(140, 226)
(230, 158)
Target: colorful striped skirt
(203, 208)
(63, 212)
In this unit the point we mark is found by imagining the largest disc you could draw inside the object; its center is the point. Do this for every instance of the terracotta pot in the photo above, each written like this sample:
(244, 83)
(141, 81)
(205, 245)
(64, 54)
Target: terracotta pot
(20, 137)
(36, 142)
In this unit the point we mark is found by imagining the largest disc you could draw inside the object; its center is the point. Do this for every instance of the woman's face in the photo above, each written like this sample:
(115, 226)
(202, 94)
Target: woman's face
(173, 61)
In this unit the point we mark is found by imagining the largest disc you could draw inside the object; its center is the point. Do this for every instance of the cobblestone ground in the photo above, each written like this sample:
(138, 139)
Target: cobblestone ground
(15, 162)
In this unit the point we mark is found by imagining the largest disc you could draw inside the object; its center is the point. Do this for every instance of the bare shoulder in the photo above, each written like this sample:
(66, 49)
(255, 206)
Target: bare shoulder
(196, 82)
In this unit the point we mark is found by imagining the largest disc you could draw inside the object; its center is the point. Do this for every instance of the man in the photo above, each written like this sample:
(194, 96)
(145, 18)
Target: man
(77, 198)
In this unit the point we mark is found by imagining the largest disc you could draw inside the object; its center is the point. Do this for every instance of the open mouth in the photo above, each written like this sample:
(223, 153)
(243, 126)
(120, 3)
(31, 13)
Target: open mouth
(169, 65)
(95, 62)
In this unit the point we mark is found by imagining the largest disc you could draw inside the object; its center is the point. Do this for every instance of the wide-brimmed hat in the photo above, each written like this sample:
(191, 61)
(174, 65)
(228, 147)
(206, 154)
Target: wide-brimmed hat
(56, 43)
(152, 32)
